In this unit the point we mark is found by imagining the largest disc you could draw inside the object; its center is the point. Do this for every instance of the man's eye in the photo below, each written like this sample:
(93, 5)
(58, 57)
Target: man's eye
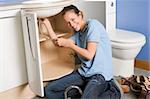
(72, 19)
(69, 24)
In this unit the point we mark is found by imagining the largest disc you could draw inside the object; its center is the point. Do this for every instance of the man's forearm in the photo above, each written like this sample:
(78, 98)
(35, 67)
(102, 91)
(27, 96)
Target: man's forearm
(83, 52)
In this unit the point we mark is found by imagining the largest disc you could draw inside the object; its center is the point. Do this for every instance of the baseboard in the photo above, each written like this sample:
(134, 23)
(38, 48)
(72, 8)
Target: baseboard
(142, 64)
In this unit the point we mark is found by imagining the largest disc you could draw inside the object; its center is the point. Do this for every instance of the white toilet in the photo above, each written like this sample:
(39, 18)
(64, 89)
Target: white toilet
(125, 44)
(125, 47)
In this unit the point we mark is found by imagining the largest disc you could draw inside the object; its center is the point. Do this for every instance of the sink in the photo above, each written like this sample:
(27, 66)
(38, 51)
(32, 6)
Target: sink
(40, 1)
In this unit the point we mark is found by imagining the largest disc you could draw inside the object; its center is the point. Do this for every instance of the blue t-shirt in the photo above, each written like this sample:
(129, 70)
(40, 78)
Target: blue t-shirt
(101, 63)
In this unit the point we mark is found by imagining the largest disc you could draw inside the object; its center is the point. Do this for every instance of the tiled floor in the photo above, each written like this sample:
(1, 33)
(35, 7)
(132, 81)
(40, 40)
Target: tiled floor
(141, 72)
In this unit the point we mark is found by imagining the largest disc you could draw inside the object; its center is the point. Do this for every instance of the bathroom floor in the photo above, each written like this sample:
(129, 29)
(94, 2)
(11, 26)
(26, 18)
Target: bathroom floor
(129, 95)
(24, 92)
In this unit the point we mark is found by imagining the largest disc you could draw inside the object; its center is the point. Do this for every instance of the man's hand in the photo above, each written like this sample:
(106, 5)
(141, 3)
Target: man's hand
(65, 42)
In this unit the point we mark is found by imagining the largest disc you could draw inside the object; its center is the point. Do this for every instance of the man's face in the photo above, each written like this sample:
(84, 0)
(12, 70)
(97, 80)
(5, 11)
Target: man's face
(73, 20)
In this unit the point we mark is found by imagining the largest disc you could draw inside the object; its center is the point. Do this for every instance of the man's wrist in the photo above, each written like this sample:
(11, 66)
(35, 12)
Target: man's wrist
(72, 45)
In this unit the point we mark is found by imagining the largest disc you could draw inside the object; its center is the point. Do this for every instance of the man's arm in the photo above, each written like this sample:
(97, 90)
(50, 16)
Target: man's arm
(87, 53)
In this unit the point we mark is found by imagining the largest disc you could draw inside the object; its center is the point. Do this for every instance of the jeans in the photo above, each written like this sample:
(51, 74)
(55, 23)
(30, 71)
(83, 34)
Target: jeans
(55, 89)
(98, 88)
(94, 87)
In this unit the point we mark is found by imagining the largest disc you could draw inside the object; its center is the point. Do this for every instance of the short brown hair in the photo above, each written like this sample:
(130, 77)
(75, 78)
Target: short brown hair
(70, 8)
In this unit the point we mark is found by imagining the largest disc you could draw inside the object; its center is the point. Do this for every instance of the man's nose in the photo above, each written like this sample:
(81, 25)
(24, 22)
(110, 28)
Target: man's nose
(72, 24)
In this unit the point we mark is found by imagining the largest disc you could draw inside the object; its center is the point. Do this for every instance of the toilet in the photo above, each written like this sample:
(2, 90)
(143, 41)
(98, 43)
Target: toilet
(126, 45)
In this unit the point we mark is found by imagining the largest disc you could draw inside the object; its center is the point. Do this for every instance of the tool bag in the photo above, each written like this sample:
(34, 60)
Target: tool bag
(139, 85)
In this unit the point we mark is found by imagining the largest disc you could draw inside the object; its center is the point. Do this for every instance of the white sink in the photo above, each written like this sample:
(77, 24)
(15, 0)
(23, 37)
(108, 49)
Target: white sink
(40, 1)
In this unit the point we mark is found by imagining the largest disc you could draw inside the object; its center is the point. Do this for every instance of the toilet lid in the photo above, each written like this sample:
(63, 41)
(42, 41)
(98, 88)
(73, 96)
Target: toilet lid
(124, 36)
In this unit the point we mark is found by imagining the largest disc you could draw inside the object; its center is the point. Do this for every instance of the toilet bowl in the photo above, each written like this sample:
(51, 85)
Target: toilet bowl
(125, 47)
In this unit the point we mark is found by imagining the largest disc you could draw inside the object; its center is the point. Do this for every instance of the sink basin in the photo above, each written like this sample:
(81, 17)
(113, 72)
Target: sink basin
(40, 1)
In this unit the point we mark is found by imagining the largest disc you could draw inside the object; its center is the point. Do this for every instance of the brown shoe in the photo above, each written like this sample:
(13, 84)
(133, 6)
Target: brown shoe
(125, 88)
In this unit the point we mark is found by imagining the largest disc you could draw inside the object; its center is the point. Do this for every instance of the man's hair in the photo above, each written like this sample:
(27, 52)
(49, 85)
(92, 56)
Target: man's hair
(70, 8)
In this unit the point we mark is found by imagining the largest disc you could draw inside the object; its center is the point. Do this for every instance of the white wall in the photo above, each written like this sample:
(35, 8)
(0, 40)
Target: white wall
(93, 9)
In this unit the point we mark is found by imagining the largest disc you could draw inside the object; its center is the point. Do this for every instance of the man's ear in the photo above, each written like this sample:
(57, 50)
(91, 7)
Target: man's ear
(81, 14)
